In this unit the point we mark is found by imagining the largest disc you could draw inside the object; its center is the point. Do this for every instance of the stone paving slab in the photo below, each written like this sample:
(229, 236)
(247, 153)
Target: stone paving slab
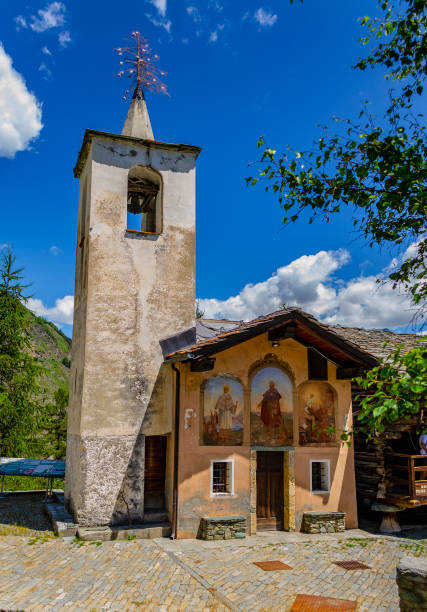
(231, 569)
(42, 573)
(50, 574)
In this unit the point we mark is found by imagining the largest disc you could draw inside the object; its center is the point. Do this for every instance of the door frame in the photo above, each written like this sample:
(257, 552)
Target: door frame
(288, 486)
(166, 446)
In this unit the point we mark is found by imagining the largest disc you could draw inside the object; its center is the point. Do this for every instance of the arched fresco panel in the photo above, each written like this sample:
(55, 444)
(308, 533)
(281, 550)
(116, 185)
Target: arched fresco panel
(223, 412)
(316, 417)
(271, 408)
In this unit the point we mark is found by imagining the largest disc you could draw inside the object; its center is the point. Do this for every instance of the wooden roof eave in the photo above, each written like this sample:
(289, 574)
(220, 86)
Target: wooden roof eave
(237, 336)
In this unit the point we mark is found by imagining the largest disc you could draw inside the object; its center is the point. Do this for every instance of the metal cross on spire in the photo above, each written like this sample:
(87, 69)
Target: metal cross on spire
(139, 65)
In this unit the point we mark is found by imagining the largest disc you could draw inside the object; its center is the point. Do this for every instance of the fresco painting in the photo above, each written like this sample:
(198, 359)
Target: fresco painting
(223, 412)
(271, 408)
(316, 413)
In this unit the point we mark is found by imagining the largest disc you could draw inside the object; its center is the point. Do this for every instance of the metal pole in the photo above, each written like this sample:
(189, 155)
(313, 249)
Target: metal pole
(176, 452)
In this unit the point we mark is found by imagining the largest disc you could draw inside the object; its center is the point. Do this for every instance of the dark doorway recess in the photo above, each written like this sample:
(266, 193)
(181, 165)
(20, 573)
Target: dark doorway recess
(155, 471)
(269, 486)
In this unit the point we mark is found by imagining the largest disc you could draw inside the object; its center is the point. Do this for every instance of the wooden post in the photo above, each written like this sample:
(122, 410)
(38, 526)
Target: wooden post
(412, 491)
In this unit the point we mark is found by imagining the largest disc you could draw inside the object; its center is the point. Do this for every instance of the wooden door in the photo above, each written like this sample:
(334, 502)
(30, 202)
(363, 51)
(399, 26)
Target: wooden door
(155, 471)
(269, 483)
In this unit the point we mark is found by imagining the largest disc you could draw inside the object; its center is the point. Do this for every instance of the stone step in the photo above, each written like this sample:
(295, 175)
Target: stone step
(145, 531)
(62, 522)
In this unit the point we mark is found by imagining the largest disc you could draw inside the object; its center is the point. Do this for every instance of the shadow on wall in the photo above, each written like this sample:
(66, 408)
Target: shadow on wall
(126, 158)
(130, 499)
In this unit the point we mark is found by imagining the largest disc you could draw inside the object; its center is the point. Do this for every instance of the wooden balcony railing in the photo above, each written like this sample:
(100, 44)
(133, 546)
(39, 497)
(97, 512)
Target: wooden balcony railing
(406, 477)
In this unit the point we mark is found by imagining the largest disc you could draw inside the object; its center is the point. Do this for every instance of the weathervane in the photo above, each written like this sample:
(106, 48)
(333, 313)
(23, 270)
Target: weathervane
(139, 65)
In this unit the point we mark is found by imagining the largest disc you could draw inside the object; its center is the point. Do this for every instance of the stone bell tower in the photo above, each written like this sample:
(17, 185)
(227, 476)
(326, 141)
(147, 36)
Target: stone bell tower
(135, 284)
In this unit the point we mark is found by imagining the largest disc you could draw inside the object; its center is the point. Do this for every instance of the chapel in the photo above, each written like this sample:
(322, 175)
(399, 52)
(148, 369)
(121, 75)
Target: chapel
(208, 428)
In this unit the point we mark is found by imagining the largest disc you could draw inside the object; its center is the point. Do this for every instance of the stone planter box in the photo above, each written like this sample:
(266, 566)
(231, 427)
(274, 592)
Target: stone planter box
(412, 582)
(323, 522)
(223, 527)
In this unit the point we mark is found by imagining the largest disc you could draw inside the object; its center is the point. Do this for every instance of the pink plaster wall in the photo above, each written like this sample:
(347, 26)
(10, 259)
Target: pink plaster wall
(342, 495)
(194, 497)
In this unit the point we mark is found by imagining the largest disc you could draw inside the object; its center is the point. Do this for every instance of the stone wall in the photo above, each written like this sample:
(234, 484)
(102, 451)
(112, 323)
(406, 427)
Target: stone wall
(223, 527)
(412, 582)
(132, 290)
(323, 522)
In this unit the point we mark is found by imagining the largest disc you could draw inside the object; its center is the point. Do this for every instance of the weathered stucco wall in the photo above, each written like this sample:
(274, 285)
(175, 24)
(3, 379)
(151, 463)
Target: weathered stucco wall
(342, 495)
(241, 363)
(139, 289)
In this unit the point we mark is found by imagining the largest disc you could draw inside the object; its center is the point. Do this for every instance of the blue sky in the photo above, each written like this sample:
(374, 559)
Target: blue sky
(235, 70)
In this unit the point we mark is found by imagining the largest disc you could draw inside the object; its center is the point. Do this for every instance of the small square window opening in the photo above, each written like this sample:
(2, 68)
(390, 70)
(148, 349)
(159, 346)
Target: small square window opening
(319, 476)
(222, 478)
(317, 365)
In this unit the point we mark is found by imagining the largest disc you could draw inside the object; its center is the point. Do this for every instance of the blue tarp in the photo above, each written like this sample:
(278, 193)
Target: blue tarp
(46, 468)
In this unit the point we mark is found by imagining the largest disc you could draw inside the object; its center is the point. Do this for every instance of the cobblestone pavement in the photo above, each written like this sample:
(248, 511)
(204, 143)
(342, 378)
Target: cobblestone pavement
(50, 574)
(44, 573)
(232, 572)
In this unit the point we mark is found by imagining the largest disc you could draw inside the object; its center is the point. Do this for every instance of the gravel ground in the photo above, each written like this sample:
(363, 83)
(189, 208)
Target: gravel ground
(23, 514)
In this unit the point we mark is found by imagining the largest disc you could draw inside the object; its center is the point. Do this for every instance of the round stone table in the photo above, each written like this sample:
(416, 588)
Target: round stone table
(389, 522)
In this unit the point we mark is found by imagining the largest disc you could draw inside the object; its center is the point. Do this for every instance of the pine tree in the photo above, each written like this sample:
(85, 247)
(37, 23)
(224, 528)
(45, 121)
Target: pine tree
(19, 411)
(54, 440)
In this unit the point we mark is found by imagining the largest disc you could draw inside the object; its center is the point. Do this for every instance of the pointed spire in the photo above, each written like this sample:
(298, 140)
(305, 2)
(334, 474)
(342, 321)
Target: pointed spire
(138, 122)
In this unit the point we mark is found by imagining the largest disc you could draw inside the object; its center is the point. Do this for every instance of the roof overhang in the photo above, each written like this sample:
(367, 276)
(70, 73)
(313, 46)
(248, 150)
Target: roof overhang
(151, 144)
(291, 324)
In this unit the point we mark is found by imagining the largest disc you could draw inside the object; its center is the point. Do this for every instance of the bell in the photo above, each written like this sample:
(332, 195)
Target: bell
(134, 205)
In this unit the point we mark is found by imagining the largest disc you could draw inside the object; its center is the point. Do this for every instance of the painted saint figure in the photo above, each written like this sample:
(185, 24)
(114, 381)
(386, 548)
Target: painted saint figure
(225, 409)
(317, 416)
(271, 415)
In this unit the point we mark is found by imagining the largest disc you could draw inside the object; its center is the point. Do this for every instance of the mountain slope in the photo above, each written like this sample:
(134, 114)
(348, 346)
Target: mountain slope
(51, 348)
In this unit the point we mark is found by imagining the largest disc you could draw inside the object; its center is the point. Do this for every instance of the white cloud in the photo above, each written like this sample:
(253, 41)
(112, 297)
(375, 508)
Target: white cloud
(21, 22)
(309, 282)
(160, 23)
(55, 250)
(53, 16)
(20, 111)
(160, 6)
(193, 12)
(46, 51)
(62, 312)
(264, 18)
(64, 39)
(213, 37)
(47, 73)
(362, 302)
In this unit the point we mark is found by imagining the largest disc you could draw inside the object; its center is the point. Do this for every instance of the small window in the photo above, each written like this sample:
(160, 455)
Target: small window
(143, 201)
(319, 476)
(222, 478)
(317, 365)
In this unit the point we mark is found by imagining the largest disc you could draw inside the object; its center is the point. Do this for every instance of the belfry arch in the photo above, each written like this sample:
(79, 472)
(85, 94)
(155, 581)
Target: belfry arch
(144, 200)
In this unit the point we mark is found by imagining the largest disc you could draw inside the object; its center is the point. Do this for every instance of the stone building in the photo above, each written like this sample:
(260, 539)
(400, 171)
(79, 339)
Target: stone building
(173, 421)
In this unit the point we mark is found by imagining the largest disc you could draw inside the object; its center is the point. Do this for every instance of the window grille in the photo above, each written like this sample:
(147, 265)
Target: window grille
(319, 476)
(222, 478)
